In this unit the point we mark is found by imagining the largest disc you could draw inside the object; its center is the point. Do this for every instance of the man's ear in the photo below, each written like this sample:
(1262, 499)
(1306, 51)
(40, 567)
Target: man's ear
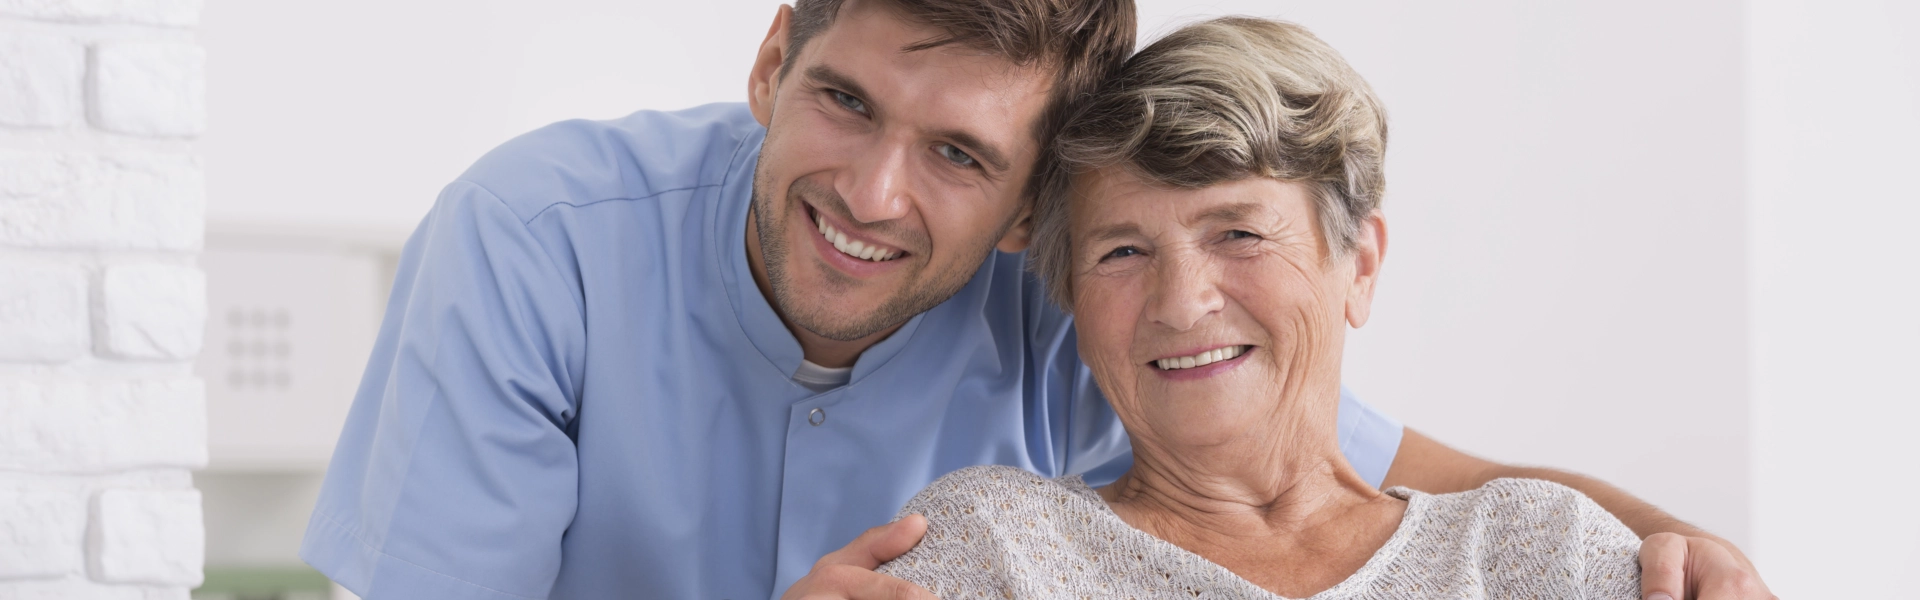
(1369, 251)
(1020, 234)
(764, 81)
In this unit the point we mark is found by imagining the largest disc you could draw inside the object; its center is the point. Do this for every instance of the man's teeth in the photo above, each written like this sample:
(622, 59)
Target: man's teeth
(1201, 359)
(853, 248)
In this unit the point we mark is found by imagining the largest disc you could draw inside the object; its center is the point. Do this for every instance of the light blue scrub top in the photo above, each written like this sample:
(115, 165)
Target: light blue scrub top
(579, 392)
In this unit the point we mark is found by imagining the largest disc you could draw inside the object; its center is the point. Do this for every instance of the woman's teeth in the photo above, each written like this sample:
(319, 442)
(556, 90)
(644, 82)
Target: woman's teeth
(1201, 359)
(853, 248)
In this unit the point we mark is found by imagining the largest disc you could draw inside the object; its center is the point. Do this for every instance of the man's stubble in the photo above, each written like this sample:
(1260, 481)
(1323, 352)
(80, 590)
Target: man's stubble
(918, 295)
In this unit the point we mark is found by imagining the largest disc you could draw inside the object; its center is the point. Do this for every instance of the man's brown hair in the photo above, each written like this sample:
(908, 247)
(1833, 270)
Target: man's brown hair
(1083, 41)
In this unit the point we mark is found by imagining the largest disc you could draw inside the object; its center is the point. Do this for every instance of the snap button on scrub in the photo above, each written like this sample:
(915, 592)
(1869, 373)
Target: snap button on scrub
(818, 416)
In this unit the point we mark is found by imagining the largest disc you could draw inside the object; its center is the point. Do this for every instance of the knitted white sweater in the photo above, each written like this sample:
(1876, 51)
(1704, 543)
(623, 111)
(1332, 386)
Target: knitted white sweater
(999, 532)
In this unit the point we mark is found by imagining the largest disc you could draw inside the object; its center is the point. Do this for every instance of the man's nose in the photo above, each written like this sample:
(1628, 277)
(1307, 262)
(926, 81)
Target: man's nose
(876, 188)
(1184, 294)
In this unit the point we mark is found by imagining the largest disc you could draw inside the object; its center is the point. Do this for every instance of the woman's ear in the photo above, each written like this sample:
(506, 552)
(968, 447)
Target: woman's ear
(1020, 234)
(763, 82)
(1369, 251)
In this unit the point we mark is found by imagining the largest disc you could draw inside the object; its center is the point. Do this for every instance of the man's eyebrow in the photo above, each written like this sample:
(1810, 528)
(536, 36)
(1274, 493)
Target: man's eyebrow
(826, 76)
(980, 149)
(988, 154)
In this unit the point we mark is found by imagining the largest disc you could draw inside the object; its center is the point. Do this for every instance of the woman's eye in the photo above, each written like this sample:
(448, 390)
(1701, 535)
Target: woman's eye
(1239, 234)
(1121, 252)
(849, 102)
(955, 155)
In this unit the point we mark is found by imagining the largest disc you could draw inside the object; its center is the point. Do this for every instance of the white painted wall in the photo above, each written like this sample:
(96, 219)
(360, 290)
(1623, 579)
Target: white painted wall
(1590, 265)
(1835, 309)
(357, 112)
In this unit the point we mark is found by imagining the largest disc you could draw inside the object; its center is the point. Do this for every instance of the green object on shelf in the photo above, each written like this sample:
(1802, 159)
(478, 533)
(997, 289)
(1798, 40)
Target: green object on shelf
(267, 582)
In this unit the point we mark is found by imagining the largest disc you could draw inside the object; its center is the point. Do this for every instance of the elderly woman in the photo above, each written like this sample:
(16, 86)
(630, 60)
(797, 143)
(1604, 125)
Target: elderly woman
(1216, 229)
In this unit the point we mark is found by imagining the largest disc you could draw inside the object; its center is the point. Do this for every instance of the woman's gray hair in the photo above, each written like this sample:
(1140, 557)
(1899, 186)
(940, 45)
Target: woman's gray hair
(1216, 102)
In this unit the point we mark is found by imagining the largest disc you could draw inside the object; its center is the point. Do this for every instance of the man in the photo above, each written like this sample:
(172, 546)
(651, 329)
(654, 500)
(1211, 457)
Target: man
(684, 355)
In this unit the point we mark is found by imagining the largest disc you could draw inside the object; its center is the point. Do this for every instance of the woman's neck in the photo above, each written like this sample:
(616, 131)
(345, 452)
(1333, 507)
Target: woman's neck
(1282, 509)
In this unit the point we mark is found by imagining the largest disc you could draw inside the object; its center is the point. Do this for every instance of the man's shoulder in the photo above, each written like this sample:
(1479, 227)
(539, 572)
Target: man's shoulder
(1013, 299)
(643, 155)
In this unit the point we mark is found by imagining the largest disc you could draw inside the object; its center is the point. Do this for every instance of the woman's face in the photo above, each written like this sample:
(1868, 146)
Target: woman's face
(1202, 311)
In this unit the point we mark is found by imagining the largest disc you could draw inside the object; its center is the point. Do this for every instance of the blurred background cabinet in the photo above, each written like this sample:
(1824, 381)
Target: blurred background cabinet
(292, 315)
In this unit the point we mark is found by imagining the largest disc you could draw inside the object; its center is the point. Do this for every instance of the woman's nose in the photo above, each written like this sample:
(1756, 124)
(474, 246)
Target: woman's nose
(1185, 293)
(875, 188)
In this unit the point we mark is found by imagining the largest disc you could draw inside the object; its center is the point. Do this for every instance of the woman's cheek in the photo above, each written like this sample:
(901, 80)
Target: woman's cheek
(1105, 331)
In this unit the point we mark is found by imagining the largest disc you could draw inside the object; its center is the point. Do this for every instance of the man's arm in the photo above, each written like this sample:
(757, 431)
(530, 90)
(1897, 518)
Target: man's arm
(454, 476)
(1430, 466)
(1677, 558)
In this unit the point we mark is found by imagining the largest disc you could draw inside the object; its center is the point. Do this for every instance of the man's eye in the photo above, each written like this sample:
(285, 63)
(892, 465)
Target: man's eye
(851, 103)
(1121, 252)
(956, 155)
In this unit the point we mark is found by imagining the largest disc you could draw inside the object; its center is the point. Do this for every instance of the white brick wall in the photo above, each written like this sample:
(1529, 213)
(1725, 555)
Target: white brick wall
(146, 536)
(42, 75)
(179, 13)
(39, 533)
(149, 88)
(43, 313)
(102, 303)
(153, 311)
(101, 200)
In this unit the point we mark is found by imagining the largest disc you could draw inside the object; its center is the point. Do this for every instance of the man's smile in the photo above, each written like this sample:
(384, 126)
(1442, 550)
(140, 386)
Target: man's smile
(851, 253)
(854, 246)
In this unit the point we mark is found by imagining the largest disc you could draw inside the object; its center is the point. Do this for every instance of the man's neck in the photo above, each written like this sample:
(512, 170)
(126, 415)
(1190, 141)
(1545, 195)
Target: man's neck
(816, 349)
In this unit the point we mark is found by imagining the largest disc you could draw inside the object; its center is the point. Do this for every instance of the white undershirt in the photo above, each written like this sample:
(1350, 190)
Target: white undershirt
(820, 379)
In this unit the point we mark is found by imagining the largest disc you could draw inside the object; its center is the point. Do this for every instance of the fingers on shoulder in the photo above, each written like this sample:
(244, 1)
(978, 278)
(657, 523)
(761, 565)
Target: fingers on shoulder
(840, 577)
(847, 581)
(1663, 564)
(1740, 583)
(876, 545)
(1721, 574)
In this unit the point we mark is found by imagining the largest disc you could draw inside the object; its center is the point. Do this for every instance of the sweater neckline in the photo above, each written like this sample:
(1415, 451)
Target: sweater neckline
(1418, 505)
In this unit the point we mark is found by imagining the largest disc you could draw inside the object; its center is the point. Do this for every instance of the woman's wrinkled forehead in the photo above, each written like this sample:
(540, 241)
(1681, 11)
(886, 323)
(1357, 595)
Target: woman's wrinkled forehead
(1113, 202)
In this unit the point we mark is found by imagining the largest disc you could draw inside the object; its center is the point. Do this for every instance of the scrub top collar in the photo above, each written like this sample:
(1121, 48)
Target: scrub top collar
(758, 320)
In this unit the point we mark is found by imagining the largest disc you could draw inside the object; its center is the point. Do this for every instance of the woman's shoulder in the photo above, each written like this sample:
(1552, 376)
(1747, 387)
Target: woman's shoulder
(1529, 535)
(978, 516)
(987, 490)
(989, 476)
(1510, 494)
(1538, 508)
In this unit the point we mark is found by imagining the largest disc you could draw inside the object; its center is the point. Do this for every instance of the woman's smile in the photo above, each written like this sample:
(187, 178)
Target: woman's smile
(1206, 363)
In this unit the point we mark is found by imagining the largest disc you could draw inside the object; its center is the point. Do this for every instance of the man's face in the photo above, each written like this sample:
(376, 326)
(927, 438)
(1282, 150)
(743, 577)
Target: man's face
(887, 176)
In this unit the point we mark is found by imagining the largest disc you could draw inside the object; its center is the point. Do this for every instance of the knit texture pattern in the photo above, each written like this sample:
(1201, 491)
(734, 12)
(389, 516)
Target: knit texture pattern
(1000, 532)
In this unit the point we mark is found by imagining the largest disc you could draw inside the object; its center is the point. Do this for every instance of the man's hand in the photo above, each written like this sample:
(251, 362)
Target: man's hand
(847, 573)
(1676, 567)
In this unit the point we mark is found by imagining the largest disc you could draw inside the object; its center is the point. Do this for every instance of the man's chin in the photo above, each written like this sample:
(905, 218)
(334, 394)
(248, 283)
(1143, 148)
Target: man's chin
(834, 318)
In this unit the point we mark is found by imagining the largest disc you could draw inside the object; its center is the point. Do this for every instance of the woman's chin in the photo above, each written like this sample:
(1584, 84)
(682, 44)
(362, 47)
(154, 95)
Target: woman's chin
(1190, 432)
